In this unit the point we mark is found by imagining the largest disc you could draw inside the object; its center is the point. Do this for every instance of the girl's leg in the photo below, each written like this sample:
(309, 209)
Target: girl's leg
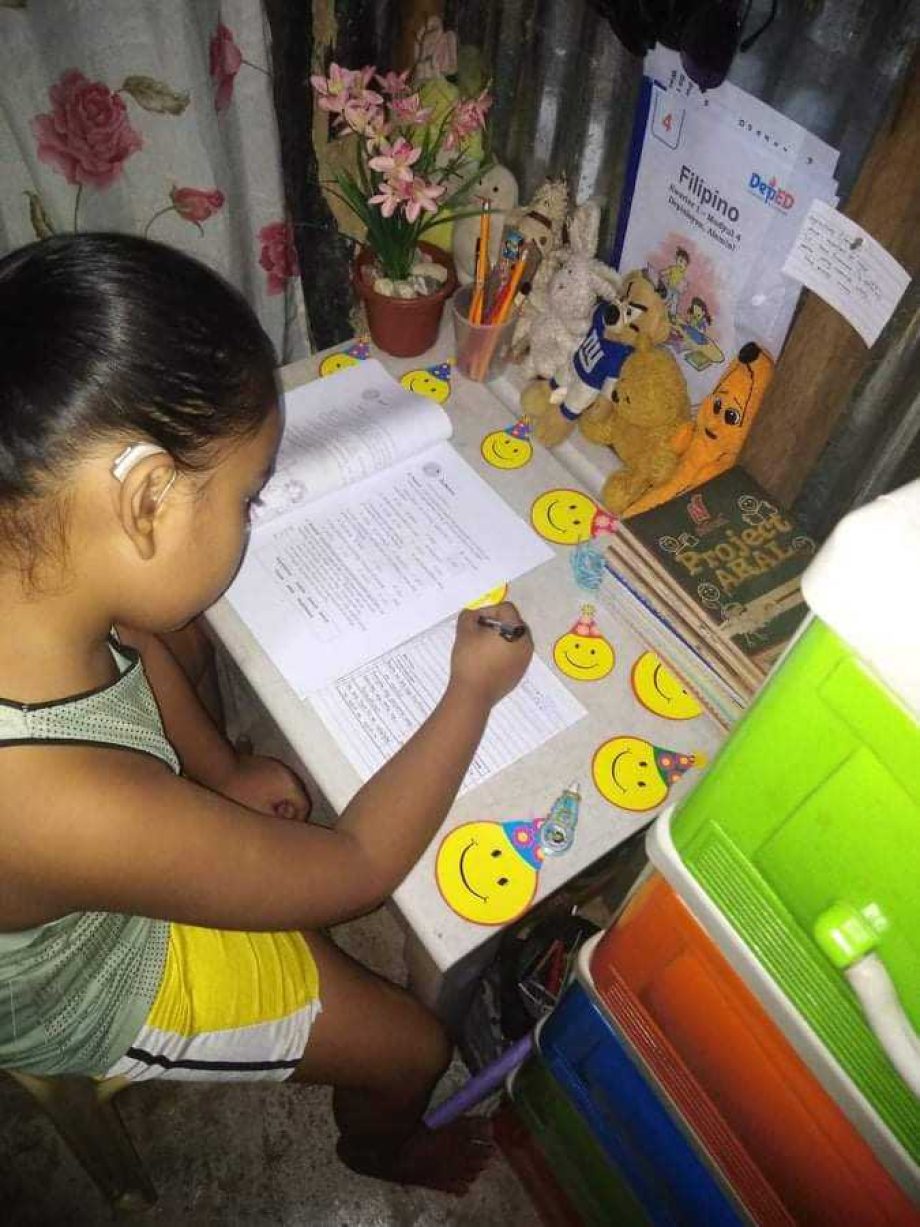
(383, 1052)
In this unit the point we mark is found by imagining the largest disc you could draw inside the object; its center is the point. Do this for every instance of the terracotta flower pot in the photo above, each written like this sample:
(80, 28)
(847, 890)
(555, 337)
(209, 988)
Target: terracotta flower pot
(404, 327)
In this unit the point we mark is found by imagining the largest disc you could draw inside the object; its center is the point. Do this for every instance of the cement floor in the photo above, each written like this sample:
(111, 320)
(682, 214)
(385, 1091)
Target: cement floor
(240, 1156)
(243, 1156)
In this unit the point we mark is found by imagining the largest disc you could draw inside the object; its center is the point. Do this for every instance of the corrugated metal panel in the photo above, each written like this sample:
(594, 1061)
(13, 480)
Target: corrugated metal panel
(564, 85)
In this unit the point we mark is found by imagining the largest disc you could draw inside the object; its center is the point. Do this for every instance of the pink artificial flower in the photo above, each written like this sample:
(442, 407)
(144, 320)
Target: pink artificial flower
(87, 138)
(409, 110)
(226, 59)
(395, 160)
(361, 77)
(394, 83)
(390, 197)
(278, 256)
(468, 117)
(377, 137)
(421, 195)
(196, 204)
(334, 90)
(365, 118)
(470, 114)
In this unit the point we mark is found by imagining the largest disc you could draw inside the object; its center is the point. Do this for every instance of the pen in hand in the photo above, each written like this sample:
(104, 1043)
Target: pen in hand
(507, 630)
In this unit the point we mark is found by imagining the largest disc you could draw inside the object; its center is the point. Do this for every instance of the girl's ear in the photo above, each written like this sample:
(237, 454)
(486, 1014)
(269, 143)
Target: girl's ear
(141, 499)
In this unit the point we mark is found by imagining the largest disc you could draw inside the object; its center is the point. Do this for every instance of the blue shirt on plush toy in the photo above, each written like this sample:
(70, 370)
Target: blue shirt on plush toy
(596, 360)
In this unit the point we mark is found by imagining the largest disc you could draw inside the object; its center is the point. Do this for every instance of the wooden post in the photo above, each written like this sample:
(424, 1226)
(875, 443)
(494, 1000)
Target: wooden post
(824, 357)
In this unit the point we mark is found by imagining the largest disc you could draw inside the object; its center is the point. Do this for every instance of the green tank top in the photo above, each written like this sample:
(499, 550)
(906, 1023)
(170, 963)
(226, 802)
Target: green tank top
(74, 993)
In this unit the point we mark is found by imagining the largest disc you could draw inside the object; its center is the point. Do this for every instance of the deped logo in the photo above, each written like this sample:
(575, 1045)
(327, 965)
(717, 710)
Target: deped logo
(770, 192)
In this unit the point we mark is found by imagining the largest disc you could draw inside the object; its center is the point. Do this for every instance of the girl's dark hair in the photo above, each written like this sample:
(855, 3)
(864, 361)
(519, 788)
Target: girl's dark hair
(110, 334)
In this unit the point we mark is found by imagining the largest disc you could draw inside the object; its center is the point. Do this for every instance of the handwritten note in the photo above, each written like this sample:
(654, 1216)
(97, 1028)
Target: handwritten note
(846, 267)
(376, 709)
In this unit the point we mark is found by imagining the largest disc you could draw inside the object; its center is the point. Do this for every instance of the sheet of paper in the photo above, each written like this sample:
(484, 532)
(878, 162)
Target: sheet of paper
(343, 428)
(348, 577)
(845, 266)
(745, 113)
(376, 709)
(720, 188)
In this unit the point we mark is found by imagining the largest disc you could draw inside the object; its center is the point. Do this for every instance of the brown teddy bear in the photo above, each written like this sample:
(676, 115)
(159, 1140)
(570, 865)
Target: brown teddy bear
(638, 318)
(641, 420)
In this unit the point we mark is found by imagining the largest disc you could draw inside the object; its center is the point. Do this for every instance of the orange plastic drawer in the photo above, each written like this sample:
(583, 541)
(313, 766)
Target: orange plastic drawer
(817, 1163)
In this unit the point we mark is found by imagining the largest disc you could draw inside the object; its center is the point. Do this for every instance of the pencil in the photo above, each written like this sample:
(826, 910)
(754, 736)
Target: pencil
(505, 303)
(507, 630)
(482, 264)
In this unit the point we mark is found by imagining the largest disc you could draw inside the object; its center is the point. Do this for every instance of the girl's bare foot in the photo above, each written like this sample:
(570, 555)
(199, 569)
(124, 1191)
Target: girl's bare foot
(447, 1159)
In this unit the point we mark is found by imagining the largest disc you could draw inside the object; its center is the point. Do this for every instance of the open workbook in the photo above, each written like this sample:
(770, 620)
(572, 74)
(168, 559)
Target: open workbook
(372, 530)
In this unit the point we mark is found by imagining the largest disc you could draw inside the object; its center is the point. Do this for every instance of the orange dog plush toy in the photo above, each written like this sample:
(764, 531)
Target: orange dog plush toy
(711, 444)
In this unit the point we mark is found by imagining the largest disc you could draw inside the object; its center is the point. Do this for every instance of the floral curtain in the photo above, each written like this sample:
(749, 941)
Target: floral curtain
(151, 117)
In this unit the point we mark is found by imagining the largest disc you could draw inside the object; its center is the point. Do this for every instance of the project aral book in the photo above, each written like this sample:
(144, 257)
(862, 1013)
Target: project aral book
(732, 556)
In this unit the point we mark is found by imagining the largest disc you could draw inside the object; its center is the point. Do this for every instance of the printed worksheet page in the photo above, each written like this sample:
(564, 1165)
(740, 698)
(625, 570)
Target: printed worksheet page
(373, 711)
(344, 428)
(344, 578)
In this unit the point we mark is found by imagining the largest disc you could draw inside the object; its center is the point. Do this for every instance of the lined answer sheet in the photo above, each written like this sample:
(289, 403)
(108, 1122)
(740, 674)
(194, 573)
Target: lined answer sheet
(373, 711)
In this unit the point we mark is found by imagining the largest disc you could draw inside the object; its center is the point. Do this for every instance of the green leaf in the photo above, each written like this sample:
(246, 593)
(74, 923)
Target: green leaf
(155, 96)
(38, 216)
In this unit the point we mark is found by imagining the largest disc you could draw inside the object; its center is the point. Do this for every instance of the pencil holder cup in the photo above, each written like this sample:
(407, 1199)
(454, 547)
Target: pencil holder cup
(481, 349)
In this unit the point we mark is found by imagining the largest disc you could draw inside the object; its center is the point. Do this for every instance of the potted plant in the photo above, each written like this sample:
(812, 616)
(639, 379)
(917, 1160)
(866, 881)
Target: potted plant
(412, 165)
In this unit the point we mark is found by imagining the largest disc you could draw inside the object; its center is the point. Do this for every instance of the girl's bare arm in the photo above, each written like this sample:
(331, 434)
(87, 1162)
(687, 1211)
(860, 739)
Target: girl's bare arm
(112, 830)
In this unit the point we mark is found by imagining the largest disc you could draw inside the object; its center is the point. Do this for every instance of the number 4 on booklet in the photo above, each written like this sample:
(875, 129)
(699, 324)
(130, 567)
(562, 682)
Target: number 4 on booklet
(667, 120)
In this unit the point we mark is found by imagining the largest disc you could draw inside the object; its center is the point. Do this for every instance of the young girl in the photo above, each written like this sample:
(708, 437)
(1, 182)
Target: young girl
(158, 918)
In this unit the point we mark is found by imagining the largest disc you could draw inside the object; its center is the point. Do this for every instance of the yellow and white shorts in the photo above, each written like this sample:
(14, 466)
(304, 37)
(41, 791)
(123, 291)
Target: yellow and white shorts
(231, 1007)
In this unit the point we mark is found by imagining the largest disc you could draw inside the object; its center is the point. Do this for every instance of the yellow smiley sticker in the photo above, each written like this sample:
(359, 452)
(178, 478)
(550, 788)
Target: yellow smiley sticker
(583, 654)
(430, 381)
(494, 596)
(509, 448)
(335, 363)
(632, 774)
(487, 871)
(661, 691)
(565, 517)
(357, 352)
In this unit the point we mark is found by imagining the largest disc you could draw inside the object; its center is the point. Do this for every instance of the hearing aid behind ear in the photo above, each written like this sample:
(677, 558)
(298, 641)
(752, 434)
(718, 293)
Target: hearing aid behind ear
(133, 454)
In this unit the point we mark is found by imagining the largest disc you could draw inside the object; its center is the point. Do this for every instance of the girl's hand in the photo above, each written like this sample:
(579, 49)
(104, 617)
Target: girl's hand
(483, 660)
(267, 786)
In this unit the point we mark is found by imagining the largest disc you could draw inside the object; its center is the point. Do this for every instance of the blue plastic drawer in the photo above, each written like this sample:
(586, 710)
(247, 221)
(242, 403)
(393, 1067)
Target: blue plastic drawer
(673, 1183)
(579, 1163)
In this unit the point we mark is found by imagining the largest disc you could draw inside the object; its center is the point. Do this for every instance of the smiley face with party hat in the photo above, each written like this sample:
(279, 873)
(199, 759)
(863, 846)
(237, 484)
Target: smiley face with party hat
(487, 871)
(358, 351)
(430, 381)
(583, 654)
(510, 448)
(633, 774)
(568, 517)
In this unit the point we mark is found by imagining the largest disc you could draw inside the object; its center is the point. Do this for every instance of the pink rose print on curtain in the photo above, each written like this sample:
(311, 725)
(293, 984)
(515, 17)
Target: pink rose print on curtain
(278, 256)
(193, 204)
(87, 137)
(226, 59)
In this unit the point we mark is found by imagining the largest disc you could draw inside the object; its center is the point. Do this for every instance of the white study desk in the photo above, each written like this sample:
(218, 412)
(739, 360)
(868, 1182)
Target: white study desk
(445, 953)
